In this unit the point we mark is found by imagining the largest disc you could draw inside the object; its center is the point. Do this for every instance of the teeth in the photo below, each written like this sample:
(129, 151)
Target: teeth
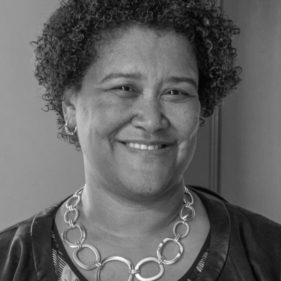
(144, 147)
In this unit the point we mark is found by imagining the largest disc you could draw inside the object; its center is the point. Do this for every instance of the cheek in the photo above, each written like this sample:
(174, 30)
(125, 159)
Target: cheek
(104, 117)
(187, 127)
(187, 121)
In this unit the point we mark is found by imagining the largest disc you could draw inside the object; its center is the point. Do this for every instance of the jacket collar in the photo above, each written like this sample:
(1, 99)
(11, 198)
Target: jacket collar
(220, 234)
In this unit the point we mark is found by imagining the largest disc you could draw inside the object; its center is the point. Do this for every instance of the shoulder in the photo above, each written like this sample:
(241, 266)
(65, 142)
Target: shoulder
(242, 219)
(254, 219)
(16, 250)
(206, 192)
(22, 231)
(255, 229)
(235, 212)
(23, 243)
(252, 241)
(14, 233)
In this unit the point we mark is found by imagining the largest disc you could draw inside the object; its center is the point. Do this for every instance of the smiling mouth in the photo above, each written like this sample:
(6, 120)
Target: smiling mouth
(141, 146)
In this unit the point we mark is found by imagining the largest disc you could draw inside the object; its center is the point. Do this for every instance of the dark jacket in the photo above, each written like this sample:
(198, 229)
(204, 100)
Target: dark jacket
(244, 246)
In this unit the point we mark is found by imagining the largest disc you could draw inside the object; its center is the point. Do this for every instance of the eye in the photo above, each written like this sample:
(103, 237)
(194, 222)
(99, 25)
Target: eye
(176, 95)
(125, 91)
(124, 88)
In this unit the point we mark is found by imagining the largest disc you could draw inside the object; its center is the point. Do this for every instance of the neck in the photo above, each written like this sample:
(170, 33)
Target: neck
(104, 213)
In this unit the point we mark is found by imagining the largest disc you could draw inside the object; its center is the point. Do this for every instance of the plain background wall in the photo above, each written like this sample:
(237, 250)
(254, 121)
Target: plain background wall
(37, 169)
(251, 118)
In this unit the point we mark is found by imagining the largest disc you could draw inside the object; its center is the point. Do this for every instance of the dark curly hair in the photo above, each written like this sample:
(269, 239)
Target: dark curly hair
(64, 50)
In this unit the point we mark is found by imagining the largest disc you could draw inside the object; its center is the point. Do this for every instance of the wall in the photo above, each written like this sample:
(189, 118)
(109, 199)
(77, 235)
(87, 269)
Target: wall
(251, 118)
(37, 169)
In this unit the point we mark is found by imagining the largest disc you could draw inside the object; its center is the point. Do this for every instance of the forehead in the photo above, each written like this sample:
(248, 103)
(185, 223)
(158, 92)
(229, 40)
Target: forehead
(142, 49)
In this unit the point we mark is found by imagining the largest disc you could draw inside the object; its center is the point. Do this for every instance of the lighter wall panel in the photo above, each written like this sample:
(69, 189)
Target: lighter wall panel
(251, 118)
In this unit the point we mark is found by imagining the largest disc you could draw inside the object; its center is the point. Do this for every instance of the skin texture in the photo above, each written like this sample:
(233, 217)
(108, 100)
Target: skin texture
(157, 103)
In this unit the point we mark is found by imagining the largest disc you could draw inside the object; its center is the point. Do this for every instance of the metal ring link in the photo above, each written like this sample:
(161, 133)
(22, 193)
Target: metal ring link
(187, 217)
(84, 266)
(162, 258)
(134, 271)
(71, 224)
(187, 204)
(116, 258)
(175, 229)
(187, 192)
(79, 245)
(75, 196)
(177, 237)
(146, 260)
(79, 191)
(82, 236)
(75, 216)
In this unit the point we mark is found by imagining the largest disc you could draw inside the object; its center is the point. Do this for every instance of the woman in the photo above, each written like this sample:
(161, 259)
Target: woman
(129, 81)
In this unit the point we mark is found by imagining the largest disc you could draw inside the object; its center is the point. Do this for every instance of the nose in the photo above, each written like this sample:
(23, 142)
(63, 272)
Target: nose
(150, 115)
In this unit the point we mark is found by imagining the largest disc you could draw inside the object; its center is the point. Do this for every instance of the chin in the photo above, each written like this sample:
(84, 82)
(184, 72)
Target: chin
(148, 187)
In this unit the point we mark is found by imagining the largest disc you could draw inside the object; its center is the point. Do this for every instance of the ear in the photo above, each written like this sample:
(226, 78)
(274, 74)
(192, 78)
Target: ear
(69, 107)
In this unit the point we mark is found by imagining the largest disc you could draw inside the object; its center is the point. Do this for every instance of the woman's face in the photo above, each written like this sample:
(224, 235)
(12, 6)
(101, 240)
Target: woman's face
(138, 113)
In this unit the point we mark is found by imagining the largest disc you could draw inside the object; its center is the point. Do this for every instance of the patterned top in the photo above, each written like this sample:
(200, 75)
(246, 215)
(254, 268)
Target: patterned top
(66, 271)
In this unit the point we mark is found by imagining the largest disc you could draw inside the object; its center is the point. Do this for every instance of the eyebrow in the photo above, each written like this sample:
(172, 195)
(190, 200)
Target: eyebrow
(176, 79)
(115, 75)
(139, 76)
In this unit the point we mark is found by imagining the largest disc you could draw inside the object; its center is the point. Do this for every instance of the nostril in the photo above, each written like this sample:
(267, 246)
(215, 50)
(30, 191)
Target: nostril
(150, 117)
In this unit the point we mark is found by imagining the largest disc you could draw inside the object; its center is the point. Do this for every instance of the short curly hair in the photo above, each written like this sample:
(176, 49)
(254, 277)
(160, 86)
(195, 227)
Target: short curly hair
(64, 51)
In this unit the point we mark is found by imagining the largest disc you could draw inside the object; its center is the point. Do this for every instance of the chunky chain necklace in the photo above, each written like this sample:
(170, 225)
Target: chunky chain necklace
(187, 214)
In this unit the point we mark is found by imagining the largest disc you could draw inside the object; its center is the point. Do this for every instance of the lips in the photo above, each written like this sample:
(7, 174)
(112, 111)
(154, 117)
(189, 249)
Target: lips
(152, 146)
(145, 147)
